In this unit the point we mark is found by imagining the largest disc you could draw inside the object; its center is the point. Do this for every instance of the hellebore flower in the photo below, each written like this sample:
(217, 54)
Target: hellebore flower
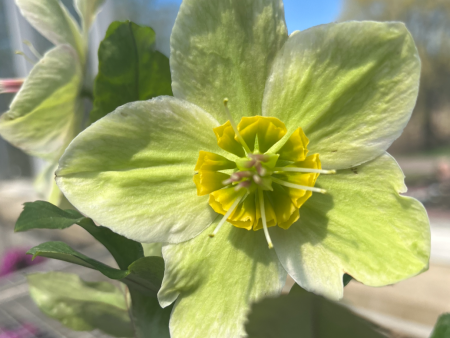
(47, 112)
(306, 114)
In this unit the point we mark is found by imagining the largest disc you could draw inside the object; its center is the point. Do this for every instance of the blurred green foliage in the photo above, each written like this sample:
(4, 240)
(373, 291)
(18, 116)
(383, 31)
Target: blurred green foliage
(306, 315)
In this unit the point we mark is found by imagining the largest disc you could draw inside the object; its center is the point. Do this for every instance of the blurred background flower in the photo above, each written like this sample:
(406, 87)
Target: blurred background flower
(22, 331)
(16, 259)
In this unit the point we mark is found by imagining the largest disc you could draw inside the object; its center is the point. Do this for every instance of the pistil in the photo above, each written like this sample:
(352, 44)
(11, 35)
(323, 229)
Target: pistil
(228, 213)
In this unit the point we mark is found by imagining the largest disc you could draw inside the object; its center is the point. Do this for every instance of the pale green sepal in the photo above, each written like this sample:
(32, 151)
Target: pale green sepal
(225, 49)
(45, 115)
(351, 86)
(88, 9)
(132, 171)
(80, 305)
(53, 21)
(216, 280)
(362, 227)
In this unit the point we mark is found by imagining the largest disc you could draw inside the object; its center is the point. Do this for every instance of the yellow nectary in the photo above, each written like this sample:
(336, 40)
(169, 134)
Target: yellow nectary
(284, 180)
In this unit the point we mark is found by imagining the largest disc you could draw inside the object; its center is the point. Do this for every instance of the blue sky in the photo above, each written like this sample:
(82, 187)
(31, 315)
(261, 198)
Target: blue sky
(302, 14)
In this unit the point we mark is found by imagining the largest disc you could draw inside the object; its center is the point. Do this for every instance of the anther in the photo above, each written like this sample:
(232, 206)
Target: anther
(225, 217)
(243, 184)
(296, 186)
(259, 157)
(250, 164)
(257, 179)
(233, 124)
(260, 169)
(304, 170)
(235, 177)
(228, 181)
(244, 174)
(263, 217)
(32, 49)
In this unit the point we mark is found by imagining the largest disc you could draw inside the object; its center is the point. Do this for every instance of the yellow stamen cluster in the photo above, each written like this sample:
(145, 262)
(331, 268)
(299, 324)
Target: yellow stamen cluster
(261, 189)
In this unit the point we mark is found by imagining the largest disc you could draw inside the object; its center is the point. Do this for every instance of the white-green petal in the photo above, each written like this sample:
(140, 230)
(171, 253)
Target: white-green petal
(132, 171)
(362, 227)
(351, 86)
(46, 113)
(46, 186)
(215, 280)
(225, 49)
(53, 21)
(88, 9)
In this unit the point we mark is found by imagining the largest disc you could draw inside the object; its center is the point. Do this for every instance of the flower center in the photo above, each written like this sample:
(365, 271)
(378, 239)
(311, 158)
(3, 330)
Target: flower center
(261, 188)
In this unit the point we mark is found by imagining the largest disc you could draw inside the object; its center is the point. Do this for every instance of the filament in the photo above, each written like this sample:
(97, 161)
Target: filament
(296, 186)
(263, 217)
(228, 213)
(18, 52)
(236, 131)
(32, 49)
(305, 170)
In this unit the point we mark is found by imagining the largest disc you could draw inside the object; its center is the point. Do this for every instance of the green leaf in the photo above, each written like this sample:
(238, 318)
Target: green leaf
(63, 252)
(80, 305)
(351, 93)
(149, 319)
(144, 278)
(225, 49)
(150, 270)
(347, 279)
(44, 215)
(133, 168)
(125, 251)
(442, 328)
(303, 314)
(144, 275)
(130, 69)
(53, 21)
(46, 113)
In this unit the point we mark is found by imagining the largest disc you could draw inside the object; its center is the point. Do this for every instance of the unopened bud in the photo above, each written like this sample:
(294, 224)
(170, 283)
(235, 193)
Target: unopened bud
(10, 85)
